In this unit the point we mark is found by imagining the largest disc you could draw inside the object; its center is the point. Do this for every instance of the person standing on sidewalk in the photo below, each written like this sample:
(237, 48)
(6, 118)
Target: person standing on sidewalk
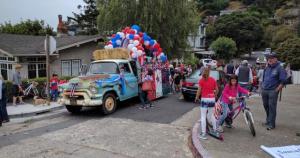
(260, 77)
(274, 78)
(54, 87)
(17, 89)
(4, 115)
(208, 89)
(244, 73)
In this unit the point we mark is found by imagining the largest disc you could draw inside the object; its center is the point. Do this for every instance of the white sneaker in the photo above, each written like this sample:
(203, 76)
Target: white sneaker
(202, 136)
(220, 129)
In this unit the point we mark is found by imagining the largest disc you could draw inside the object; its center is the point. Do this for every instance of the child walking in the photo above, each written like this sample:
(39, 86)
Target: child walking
(208, 89)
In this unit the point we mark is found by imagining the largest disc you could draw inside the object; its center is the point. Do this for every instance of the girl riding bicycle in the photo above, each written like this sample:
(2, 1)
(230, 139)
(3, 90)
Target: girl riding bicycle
(228, 98)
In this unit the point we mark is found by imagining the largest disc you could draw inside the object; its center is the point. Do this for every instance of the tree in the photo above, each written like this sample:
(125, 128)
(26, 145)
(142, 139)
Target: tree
(28, 27)
(224, 48)
(168, 21)
(289, 52)
(211, 7)
(87, 19)
(281, 34)
(244, 28)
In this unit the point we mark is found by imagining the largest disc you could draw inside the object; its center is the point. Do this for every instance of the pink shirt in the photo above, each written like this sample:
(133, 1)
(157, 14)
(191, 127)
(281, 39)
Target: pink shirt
(232, 92)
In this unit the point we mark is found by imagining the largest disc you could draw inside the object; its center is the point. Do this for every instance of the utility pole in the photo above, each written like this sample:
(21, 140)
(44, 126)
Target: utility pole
(48, 68)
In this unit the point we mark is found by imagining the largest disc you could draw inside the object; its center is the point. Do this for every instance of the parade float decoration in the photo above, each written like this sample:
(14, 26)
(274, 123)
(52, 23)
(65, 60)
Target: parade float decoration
(115, 73)
(147, 52)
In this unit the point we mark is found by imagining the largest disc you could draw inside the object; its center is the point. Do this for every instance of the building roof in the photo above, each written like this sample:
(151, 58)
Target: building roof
(27, 45)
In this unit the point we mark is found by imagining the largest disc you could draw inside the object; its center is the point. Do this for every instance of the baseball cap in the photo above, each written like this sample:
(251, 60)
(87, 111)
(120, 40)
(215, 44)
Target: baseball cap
(271, 55)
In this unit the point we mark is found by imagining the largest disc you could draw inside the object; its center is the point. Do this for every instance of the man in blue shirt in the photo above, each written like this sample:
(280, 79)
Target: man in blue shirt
(274, 78)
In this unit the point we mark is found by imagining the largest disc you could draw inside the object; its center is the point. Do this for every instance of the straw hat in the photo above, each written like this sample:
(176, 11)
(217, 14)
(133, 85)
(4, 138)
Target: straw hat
(18, 66)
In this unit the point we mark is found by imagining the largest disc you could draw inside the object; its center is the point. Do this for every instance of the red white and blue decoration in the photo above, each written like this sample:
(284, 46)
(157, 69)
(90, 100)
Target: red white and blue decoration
(139, 43)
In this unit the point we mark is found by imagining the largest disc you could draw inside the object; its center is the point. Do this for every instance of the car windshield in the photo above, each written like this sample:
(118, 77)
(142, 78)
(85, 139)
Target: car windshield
(213, 73)
(103, 68)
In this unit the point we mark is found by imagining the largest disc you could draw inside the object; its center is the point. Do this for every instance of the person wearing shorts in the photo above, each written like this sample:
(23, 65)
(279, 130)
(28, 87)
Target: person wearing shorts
(17, 89)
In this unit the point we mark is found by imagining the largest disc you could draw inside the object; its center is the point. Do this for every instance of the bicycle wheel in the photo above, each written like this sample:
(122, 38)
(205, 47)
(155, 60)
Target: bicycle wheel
(250, 122)
(44, 93)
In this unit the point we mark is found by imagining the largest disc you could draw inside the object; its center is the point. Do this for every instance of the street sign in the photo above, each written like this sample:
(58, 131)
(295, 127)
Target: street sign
(52, 44)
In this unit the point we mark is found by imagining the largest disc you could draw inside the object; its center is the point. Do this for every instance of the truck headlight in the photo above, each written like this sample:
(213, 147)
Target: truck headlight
(60, 90)
(93, 89)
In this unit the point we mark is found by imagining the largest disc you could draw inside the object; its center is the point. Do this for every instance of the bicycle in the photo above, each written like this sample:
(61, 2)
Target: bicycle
(246, 111)
(33, 91)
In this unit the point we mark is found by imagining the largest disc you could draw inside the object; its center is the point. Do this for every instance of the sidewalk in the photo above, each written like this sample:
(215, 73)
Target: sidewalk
(25, 110)
(238, 141)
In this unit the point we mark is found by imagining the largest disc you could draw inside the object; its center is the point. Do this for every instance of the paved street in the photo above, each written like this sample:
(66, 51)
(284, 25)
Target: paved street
(159, 132)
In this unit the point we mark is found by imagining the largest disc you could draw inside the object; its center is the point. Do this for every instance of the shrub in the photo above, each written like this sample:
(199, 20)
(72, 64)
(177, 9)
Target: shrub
(224, 48)
(289, 52)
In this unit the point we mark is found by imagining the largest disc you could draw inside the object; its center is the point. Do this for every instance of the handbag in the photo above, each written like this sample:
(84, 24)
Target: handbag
(147, 86)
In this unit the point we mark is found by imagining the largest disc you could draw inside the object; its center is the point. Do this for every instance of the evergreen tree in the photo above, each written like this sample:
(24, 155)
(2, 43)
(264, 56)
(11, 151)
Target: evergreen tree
(28, 27)
(87, 19)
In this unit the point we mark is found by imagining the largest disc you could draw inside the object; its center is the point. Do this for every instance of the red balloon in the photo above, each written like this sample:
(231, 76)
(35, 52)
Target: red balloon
(113, 35)
(141, 34)
(131, 31)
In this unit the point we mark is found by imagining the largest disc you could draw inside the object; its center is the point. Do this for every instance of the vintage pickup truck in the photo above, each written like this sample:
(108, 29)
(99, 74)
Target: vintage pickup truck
(105, 83)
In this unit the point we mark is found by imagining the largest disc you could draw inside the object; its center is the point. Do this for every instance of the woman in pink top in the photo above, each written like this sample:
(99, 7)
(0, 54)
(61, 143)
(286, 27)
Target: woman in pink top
(229, 94)
(207, 88)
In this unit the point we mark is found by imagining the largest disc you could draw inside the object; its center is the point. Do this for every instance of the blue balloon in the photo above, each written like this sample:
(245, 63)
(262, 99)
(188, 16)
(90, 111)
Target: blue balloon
(152, 42)
(163, 58)
(117, 36)
(114, 44)
(136, 27)
(131, 36)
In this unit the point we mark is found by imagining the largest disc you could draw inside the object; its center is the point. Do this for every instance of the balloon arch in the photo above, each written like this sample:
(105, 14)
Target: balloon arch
(139, 43)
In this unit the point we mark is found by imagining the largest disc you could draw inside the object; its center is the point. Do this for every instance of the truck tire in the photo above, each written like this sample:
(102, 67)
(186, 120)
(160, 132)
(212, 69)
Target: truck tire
(109, 104)
(73, 109)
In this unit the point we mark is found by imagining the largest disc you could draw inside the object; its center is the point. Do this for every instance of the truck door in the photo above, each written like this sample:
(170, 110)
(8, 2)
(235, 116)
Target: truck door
(131, 82)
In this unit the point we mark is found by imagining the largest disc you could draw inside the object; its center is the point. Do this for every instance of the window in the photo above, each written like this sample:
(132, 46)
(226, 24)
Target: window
(32, 71)
(70, 67)
(37, 70)
(126, 67)
(103, 68)
(66, 68)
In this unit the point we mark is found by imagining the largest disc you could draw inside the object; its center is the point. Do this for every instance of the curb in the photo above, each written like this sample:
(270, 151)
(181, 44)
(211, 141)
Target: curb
(34, 113)
(196, 142)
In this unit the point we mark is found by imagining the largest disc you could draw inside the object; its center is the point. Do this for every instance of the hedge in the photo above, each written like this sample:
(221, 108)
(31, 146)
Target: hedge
(26, 82)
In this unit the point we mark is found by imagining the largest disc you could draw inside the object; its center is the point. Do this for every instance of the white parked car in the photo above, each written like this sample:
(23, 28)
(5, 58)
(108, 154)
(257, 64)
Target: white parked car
(267, 51)
(208, 61)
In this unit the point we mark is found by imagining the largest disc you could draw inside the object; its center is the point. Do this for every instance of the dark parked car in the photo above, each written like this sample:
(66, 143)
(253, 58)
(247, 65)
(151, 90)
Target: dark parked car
(190, 85)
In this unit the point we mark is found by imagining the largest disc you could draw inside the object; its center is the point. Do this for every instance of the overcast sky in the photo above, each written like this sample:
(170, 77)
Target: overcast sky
(47, 10)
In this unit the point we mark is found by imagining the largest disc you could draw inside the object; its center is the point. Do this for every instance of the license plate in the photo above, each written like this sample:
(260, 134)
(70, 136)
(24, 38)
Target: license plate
(73, 101)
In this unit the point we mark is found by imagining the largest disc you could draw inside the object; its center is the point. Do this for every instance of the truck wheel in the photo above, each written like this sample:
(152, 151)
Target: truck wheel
(109, 104)
(73, 109)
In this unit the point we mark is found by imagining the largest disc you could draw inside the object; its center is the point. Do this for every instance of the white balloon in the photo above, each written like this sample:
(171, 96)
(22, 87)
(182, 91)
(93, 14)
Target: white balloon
(130, 41)
(136, 42)
(118, 42)
(127, 36)
(122, 35)
(134, 55)
(110, 46)
(134, 49)
(147, 43)
(130, 46)
(140, 52)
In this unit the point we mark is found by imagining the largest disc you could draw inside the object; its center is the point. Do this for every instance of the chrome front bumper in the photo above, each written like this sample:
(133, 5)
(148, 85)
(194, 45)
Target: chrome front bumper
(87, 101)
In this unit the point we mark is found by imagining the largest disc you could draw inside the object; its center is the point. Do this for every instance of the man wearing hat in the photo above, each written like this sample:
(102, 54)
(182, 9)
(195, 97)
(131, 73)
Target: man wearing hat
(17, 89)
(274, 78)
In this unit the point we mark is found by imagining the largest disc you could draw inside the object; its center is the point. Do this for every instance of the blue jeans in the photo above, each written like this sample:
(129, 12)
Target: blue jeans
(224, 116)
(54, 94)
(269, 98)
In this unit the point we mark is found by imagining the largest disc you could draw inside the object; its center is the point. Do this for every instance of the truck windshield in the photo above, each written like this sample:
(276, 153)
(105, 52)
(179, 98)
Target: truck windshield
(103, 68)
